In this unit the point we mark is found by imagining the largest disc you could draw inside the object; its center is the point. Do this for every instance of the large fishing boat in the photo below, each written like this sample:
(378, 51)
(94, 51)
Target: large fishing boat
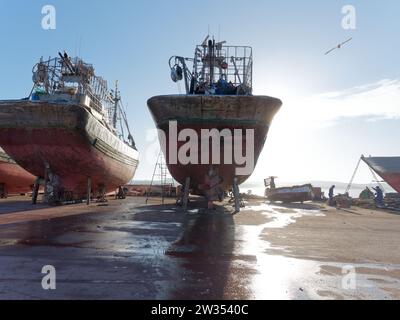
(388, 168)
(218, 96)
(65, 133)
(13, 178)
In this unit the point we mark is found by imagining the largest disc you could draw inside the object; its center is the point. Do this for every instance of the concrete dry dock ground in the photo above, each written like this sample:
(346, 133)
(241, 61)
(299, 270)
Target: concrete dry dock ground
(131, 250)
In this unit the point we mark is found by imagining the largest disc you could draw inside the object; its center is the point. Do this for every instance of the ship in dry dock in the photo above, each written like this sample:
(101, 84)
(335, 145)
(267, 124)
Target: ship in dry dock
(65, 133)
(218, 85)
(13, 178)
(388, 168)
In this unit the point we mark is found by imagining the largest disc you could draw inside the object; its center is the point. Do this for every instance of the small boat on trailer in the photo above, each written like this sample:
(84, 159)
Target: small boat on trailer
(292, 194)
(65, 133)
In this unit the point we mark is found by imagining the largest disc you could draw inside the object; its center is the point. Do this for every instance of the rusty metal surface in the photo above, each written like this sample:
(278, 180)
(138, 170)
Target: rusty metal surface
(232, 109)
(199, 112)
(70, 139)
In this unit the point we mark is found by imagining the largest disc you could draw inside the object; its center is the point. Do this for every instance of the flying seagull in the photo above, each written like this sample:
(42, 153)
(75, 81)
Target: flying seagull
(339, 46)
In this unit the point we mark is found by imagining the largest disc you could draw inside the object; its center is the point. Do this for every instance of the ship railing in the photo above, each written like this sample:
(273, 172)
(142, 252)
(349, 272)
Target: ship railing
(58, 75)
(95, 102)
(237, 68)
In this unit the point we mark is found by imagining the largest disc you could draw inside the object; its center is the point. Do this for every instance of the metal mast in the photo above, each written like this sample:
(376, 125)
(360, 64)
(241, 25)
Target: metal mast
(117, 99)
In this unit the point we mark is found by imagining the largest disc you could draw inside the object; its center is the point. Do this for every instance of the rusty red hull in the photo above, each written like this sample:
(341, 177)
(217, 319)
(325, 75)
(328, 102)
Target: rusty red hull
(13, 178)
(213, 112)
(388, 168)
(70, 141)
(393, 179)
(198, 172)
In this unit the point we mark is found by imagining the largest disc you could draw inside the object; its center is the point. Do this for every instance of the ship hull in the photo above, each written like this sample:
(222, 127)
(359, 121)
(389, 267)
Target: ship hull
(199, 113)
(13, 178)
(68, 140)
(388, 168)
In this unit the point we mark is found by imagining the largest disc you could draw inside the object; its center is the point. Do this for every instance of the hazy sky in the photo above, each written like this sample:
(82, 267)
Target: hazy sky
(335, 107)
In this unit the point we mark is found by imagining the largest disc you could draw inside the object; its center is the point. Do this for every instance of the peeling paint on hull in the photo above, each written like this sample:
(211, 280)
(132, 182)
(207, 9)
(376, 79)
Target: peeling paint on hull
(199, 112)
(68, 138)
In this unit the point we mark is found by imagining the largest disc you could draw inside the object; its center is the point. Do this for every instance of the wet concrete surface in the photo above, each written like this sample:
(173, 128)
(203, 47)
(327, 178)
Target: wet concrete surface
(130, 250)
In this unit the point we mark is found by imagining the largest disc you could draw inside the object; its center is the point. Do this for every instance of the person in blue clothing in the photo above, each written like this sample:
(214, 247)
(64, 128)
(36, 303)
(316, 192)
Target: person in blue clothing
(222, 85)
(379, 196)
(331, 195)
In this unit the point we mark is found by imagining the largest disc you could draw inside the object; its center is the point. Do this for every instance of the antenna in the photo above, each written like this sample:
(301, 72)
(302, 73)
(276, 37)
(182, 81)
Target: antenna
(204, 43)
(80, 45)
(124, 117)
(116, 101)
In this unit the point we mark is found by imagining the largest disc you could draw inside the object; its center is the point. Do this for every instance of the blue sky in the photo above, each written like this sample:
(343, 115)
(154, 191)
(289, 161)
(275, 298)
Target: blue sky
(336, 107)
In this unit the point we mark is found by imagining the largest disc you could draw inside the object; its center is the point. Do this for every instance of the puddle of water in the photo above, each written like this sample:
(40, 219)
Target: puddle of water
(144, 225)
(280, 277)
(282, 219)
(193, 211)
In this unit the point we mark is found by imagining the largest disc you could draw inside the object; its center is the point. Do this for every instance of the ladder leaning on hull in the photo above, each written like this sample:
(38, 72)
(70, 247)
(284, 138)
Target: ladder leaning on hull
(160, 173)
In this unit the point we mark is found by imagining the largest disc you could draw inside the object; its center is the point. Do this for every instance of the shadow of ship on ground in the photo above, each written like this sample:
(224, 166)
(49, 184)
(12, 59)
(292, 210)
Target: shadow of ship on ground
(205, 251)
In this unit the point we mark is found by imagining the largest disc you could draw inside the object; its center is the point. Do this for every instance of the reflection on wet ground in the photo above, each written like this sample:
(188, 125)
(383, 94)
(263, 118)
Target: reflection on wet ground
(19, 204)
(283, 277)
(130, 250)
